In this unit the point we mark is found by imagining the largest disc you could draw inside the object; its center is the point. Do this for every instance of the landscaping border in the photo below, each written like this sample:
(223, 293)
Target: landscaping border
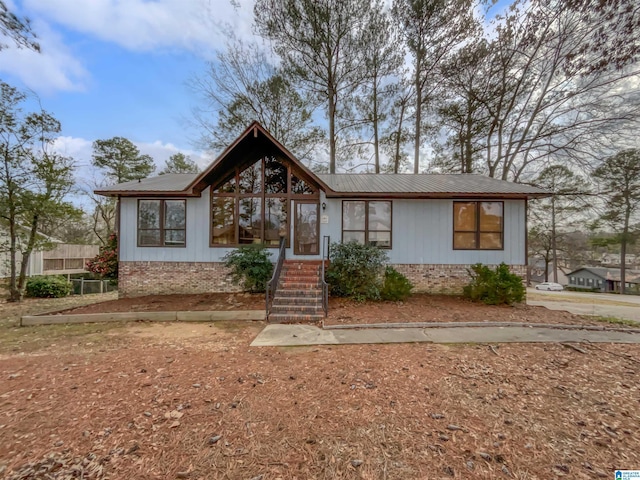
(186, 316)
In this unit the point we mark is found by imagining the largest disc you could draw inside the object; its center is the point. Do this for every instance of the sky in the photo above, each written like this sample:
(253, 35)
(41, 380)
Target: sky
(121, 68)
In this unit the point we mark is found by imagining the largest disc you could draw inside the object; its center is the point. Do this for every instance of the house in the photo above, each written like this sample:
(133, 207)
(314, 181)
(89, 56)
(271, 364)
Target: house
(60, 259)
(613, 259)
(604, 279)
(537, 269)
(175, 229)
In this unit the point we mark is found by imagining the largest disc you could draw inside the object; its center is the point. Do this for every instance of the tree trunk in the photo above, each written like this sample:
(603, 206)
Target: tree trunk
(396, 161)
(554, 250)
(14, 293)
(332, 132)
(376, 146)
(416, 145)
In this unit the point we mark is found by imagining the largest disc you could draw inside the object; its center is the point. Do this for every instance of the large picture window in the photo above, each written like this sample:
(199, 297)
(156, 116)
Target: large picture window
(162, 223)
(367, 222)
(478, 225)
(252, 205)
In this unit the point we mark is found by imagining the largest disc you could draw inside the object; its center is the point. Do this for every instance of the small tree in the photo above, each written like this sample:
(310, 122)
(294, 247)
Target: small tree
(121, 160)
(105, 263)
(180, 163)
(33, 182)
(619, 177)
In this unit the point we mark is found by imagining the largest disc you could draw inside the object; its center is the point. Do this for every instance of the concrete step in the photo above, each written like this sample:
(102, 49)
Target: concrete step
(296, 318)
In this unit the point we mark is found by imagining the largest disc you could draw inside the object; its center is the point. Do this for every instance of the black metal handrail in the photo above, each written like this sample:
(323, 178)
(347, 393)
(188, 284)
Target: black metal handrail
(326, 242)
(272, 284)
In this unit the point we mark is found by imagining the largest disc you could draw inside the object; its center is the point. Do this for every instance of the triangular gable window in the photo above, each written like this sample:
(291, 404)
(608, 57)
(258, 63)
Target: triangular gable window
(258, 210)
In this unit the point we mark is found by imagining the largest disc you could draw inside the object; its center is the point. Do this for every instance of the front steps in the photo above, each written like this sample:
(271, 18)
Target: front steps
(298, 296)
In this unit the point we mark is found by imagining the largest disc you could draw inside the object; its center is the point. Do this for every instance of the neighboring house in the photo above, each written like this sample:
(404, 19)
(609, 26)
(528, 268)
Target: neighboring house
(604, 279)
(61, 259)
(613, 259)
(175, 229)
(537, 272)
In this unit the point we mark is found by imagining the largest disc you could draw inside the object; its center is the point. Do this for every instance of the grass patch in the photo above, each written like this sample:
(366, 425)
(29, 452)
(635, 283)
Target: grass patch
(616, 321)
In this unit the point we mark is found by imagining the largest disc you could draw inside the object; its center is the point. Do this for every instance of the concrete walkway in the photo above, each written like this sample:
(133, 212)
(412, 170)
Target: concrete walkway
(299, 335)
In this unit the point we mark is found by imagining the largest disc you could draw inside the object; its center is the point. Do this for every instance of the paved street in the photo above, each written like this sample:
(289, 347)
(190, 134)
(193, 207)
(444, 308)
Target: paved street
(604, 305)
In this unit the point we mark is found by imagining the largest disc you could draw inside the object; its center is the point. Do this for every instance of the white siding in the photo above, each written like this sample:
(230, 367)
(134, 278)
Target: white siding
(422, 233)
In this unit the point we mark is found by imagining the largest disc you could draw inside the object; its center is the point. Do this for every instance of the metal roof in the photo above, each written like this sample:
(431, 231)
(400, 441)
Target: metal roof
(632, 276)
(366, 184)
(425, 184)
(170, 182)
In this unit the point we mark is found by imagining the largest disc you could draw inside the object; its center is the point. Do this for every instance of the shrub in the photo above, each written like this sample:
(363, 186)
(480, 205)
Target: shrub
(356, 271)
(105, 263)
(494, 287)
(250, 267)
(48, 286)
(396, 286)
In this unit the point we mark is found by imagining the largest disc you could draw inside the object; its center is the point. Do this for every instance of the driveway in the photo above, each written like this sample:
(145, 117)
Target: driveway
(605, 305)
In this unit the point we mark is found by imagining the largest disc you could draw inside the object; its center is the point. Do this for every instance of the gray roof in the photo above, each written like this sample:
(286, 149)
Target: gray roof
(170, 182)
(424, 183)
(360, 183)
(631, 276)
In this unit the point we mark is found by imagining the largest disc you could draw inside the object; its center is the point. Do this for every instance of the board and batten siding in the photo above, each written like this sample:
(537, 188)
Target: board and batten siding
(422, 234)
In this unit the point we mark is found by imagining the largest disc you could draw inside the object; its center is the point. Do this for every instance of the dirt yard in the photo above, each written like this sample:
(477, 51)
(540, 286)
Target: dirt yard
(164, 401)
(418, 308)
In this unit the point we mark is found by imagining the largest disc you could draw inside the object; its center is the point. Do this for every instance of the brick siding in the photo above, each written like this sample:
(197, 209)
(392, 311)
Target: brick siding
(136, 279)
(449, 279)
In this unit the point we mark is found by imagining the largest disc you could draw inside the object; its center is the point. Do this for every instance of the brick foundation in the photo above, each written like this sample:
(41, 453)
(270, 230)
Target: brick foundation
(136, 279)
(449, 279)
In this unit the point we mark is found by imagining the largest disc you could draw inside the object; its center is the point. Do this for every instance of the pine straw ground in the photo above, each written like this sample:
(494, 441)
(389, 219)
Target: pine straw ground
(195, 401)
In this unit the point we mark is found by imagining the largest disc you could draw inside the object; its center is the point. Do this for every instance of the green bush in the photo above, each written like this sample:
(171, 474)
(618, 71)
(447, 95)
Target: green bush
(53, 286)
(396, 286)
(356, 271)
(494, 287)
(250, 267)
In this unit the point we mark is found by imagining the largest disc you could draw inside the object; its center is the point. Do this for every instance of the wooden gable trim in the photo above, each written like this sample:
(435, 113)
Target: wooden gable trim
(199, 183)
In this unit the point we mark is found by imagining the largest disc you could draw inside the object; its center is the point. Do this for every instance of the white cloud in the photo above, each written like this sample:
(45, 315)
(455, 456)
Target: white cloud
(87, 176)
(144, 25)
(54, 68)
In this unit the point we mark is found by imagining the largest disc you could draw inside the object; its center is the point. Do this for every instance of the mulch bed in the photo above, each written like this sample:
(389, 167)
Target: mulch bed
(417, 308)
(153, 404)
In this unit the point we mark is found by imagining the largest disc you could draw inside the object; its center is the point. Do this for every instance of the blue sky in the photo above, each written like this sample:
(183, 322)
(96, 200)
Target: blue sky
(120, 68)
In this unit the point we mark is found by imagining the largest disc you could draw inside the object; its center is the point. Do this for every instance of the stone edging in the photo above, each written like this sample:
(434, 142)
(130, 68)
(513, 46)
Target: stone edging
(192, 316)
(478, 324)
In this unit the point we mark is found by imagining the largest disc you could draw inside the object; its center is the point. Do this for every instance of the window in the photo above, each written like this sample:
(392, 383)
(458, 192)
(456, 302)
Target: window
(478, 225)
(589, 281)
(367, 222)
(162, 223)
(251, 205)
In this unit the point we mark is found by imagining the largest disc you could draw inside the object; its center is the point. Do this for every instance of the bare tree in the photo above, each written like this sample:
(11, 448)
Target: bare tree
(243, 85)
(431, 30)
(320, 43)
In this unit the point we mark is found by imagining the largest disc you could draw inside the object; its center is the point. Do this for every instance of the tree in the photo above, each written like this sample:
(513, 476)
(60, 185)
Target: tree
(555, 87)
(320, 44)
(16, 28)
(382, 57)
(120, 160)
(554, 215)
(180, 163)
(243, 85)
(619, 179)
(105, 263)
(33, 181)
(431, 30)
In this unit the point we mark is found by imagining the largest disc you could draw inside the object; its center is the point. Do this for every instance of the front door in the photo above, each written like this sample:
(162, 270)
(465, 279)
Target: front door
(306, 234)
